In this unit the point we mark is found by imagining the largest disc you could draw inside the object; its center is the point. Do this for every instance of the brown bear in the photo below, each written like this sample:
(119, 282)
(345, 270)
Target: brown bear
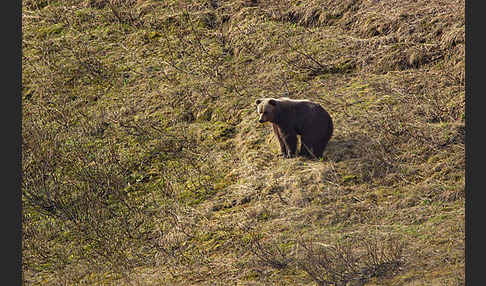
(292, 117)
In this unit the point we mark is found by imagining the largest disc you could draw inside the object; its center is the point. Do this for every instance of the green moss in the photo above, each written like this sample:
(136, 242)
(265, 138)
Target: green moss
(223, 131)
(50, 30)
(349, 178)
(251, 275)
(205, 114)
(197, 190)
(153, 35)
(84, 14)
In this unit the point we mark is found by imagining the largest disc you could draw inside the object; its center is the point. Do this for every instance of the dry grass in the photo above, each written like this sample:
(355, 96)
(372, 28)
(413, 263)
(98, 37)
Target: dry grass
(143, 162)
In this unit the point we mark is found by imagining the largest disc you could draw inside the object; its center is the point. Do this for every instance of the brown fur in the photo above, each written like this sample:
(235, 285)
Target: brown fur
(290, 118)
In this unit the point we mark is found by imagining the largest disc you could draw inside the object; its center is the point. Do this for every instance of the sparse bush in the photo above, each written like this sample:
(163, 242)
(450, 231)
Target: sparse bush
(346, 262)
(94, 191)
(352, 260)
(268, 253)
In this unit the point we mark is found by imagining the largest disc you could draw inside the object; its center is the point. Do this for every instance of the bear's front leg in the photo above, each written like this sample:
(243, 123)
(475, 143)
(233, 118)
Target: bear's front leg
(278, 134)
(290, 141)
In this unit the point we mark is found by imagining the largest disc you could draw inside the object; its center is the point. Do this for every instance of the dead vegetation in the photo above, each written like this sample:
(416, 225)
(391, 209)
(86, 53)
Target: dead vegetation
(143, 162)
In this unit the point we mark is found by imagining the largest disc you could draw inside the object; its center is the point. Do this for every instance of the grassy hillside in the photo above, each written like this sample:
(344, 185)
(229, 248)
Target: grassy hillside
(143, 162)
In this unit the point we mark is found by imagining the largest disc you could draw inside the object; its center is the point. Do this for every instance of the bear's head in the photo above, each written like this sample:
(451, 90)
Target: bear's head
(266, 108)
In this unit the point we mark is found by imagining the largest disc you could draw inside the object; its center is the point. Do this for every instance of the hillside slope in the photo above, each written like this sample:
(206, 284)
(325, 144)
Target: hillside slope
(143, 162)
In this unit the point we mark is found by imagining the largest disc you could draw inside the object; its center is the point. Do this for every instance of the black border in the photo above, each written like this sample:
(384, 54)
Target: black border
(468, 145)
(11, 118)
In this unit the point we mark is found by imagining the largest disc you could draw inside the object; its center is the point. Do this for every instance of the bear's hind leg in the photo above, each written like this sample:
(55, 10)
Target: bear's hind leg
(305, 147)
(320, 148)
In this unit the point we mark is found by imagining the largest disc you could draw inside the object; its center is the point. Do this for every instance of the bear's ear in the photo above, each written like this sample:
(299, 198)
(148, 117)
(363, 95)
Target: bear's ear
(272, 102)
(258, 101)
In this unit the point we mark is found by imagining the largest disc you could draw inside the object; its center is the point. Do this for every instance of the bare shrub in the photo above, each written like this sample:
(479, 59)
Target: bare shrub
(94, 193)
(355, 259)
(85, 189)
(268, 252)
(349, 260)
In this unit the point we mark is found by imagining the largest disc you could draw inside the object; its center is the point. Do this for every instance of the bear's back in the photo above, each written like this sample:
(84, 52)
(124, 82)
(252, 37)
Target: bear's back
(301, 106)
